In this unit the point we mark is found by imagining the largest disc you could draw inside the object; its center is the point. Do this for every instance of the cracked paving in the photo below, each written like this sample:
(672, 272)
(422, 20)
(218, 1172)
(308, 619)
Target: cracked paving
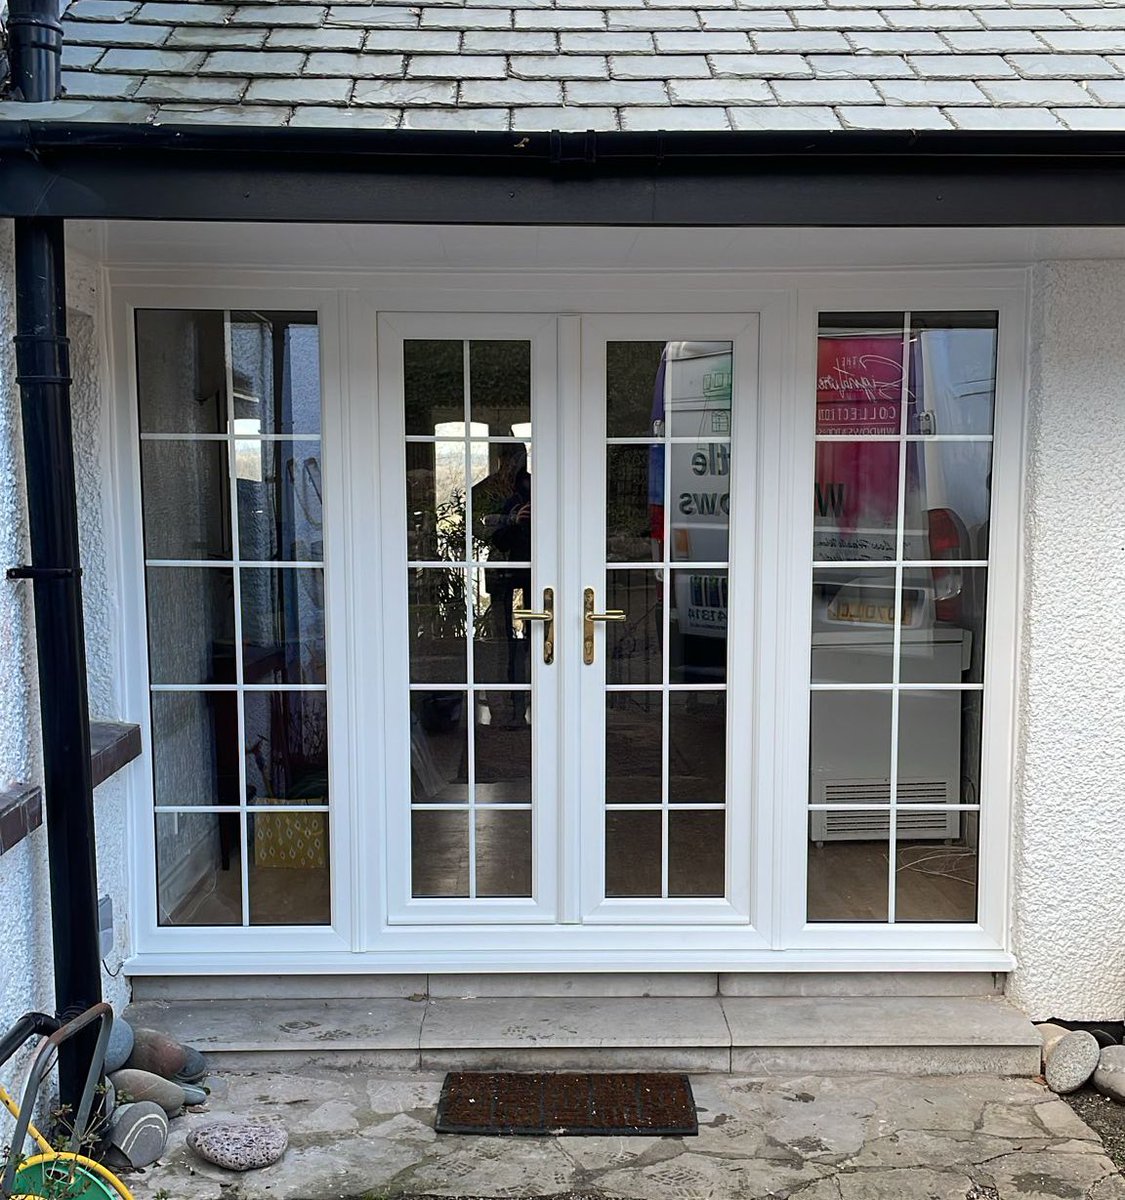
(363, 1134)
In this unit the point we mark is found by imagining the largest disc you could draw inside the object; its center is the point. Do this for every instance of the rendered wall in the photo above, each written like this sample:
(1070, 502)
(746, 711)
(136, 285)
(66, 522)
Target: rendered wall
(25, 923)
(1069, 846)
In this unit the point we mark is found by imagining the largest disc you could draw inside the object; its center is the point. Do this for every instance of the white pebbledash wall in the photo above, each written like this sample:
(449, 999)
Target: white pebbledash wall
(26, 979)
(1069, 841)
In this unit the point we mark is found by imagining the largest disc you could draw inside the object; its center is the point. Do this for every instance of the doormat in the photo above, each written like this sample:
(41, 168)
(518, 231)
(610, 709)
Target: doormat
(577, 1104)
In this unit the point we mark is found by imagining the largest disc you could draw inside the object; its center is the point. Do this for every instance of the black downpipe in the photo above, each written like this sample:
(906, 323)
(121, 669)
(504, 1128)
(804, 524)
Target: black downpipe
(34, 50)
(43, 375)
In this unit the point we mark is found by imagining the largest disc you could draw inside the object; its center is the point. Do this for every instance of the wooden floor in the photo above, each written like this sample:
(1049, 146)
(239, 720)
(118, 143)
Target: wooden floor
(848, 881)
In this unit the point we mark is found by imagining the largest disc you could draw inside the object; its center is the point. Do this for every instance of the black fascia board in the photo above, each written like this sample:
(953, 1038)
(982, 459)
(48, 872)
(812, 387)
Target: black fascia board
(851, 178)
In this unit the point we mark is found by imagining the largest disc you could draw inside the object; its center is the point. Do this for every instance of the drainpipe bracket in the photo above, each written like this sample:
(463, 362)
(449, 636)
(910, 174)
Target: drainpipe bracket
(27, 572)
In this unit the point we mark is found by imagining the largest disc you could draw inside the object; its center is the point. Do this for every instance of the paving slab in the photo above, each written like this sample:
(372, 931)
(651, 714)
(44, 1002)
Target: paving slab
(360, 1134)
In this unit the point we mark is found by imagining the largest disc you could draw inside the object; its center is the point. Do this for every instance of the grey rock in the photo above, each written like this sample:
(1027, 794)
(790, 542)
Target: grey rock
(156, 1052)
(194, 1095)
(1051, 1034)
(137, 1135)
(239, 1145)
(120, 1045)
(194, 1068)
(1072, 1062)
(132, 1084)
(1109, 1076)
(1104, 1038)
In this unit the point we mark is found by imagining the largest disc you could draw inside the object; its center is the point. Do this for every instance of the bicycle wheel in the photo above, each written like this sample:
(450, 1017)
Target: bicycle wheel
(67, 1176)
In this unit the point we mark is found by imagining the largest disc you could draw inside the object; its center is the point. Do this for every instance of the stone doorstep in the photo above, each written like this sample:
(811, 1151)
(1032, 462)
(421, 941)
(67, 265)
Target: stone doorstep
(947, 1035)
(466, 986)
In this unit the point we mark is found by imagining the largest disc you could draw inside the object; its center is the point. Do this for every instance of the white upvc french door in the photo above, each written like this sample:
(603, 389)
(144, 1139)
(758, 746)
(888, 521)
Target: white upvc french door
(568, 521)
(469, 483)
(664, 687)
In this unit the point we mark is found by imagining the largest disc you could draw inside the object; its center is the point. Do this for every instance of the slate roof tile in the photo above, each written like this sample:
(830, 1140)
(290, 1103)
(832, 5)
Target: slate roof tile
(605, 64)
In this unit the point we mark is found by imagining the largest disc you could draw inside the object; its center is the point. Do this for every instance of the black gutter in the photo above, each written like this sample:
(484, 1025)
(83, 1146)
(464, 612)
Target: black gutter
(842, 178)
(43, 376)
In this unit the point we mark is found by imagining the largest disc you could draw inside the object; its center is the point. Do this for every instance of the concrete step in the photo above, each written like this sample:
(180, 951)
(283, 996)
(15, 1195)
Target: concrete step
(593, 984)
(748, 1034)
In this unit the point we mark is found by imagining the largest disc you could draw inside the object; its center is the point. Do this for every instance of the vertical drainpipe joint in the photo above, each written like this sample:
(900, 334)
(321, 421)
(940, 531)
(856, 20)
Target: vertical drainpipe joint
(34, 50)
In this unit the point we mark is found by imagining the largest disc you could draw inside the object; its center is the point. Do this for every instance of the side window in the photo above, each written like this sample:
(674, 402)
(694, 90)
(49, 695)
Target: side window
(229, 407)
(902, 496)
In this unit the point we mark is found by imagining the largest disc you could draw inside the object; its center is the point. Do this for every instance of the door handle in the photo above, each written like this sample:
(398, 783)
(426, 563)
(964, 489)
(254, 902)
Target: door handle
(589, 617)
(547, 616)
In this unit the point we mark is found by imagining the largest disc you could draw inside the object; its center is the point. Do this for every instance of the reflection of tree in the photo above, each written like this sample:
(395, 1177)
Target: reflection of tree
(440, 593)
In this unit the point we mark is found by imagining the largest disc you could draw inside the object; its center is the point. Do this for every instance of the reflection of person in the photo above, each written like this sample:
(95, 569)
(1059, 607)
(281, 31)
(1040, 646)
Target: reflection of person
(502, 521)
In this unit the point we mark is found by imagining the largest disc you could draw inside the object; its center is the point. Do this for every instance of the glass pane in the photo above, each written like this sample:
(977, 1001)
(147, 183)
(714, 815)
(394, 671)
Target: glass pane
(275, 364)
(195, 748)
(634, 739)
(697, 389)
(850, 748)
(190, 624)
(500, 387)
(936, 866)
(501, 502)
(859, 374)
(283, 625)
(289, 876)
(181, 371)
(439, 853)
(198, 869)
(437, 625)
(286, 747)
(634, 647)
(634, 517)
(848, 865)
(435, 501)
(697, 634)
(700, 520)
(439, 748)
(948, 497)
(952, 373)
(697, 747)
(855, 501)
(503, 853)
(279, 500)
(503, 749)
(502, 649)
(632, 853)
(633, 375)
(696, 853)
(186, 500)
(943, 625)
(853, 618)
(939, 747)
(434, 386)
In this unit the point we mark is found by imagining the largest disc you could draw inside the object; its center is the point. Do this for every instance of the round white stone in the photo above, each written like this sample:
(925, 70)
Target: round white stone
(1072, 1061)
(239, 1145)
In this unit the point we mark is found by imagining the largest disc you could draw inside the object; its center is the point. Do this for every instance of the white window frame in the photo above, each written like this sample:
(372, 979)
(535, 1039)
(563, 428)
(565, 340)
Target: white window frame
(361, 937)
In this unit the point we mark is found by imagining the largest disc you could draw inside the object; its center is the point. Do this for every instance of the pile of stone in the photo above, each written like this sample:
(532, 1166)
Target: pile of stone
(153, 1079)
(1074, 1057)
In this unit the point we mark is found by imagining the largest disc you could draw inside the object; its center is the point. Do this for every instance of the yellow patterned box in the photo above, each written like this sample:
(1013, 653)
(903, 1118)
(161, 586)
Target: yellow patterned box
(297, 840)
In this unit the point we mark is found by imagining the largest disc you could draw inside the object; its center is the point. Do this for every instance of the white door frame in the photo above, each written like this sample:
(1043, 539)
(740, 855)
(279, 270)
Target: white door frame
(361, 938)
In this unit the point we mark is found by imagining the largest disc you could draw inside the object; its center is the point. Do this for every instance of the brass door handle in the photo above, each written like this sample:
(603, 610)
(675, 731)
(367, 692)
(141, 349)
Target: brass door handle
(547, 616)
(589, 617)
